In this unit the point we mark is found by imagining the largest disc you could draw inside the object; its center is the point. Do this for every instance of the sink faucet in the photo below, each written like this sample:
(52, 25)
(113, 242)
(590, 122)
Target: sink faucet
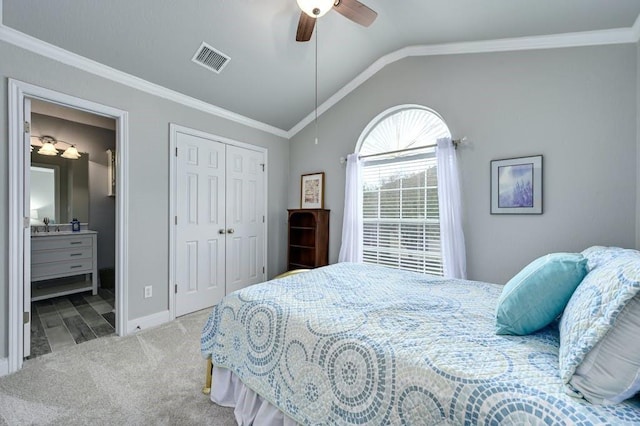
(46, 224)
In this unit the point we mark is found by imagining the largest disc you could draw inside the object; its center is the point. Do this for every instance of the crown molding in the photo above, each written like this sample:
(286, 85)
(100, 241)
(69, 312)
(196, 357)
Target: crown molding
(50, 51)
(587, 38)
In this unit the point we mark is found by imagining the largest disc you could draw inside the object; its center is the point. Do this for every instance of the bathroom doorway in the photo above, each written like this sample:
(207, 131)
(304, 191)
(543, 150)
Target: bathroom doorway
(72, 271)
(19, 254)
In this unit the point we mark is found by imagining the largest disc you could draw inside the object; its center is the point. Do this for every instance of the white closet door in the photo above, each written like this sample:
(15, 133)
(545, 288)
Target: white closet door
(245, 218)
(200, 229)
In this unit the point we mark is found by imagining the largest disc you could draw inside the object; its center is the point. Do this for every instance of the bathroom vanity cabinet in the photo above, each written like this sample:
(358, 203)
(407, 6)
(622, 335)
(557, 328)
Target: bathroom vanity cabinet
(59, 255)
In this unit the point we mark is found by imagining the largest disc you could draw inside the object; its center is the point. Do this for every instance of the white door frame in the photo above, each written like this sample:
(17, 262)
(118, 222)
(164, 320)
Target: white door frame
(174, 129)
(18, 219)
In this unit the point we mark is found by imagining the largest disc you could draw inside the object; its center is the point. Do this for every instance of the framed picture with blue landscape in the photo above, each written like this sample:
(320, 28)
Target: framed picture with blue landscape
(516, 185)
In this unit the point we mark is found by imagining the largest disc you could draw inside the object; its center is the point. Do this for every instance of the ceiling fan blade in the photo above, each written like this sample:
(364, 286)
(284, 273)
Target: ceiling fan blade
(356, 11)
(305, 27)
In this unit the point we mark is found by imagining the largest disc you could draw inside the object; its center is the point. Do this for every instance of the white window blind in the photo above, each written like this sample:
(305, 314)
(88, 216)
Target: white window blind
(400, 213)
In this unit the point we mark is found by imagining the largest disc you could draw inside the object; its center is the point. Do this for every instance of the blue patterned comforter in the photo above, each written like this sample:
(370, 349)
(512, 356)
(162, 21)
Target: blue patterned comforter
(363, 344)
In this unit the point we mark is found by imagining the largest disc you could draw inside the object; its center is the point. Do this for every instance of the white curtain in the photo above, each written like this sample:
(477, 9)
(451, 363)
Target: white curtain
(449, 200)
(351, 248)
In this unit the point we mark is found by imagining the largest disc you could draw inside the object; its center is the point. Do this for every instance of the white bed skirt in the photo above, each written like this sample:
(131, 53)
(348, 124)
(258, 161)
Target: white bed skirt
(249, 407)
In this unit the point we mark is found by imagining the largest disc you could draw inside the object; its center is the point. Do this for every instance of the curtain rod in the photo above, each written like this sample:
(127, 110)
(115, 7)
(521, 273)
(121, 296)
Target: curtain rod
(455, 143)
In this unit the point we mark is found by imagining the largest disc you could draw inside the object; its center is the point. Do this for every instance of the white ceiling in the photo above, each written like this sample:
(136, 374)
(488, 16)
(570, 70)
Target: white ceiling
(270, 76)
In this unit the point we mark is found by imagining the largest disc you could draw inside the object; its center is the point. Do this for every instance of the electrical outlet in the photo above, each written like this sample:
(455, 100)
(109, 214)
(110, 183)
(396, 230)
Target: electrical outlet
(148, 292)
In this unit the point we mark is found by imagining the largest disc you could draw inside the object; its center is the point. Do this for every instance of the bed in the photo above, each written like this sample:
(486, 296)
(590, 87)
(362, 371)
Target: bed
(365, 344)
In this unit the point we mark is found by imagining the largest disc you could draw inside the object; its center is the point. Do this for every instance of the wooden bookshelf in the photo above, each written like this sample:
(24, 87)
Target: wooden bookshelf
(308, 243)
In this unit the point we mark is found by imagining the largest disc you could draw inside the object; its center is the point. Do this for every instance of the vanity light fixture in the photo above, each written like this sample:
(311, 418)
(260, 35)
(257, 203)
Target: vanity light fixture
(71, 153)
(48, 148)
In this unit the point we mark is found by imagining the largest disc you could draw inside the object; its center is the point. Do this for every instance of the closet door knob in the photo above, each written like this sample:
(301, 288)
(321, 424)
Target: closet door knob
(221, 231)
(230, 231)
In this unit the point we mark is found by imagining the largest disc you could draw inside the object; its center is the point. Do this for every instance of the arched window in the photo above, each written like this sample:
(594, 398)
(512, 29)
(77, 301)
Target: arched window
(401, 225)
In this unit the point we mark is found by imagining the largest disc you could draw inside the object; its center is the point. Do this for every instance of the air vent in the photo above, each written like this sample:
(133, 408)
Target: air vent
(210, 58)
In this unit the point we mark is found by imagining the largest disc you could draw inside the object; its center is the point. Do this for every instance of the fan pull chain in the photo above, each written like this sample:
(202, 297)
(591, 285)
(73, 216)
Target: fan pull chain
(316, 86)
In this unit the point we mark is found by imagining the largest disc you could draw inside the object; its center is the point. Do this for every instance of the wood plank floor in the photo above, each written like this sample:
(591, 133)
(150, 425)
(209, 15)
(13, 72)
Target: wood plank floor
(70, 320)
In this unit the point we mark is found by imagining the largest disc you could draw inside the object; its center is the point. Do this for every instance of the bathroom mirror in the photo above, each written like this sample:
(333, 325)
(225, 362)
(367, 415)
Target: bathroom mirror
(59, 189)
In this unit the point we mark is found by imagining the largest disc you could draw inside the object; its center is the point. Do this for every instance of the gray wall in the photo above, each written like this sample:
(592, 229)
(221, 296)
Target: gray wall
(148, 209)
(575, 106)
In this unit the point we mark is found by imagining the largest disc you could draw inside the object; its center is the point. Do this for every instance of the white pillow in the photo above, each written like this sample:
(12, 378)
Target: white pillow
(610, 373)
(590, 327)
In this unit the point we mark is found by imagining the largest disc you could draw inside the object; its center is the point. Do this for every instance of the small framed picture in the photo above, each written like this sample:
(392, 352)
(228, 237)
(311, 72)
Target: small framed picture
(516, 185)
(312, 191)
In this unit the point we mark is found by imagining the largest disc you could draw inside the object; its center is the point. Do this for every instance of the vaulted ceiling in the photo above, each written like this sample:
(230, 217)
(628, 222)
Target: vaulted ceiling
(270, 76)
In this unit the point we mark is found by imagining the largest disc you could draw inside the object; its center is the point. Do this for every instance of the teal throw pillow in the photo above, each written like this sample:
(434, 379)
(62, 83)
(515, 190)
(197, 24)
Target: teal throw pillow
(538, 294)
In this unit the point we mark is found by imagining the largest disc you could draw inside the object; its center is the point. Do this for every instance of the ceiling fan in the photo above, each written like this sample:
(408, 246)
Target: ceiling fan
(313, 9)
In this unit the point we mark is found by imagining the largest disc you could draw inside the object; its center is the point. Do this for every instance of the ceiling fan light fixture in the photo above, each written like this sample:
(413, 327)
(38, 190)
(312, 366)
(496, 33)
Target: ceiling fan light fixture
(315, 8)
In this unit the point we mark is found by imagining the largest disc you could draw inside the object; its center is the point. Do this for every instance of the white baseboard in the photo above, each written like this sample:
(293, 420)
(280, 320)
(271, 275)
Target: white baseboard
(4, 366)
(149, 321)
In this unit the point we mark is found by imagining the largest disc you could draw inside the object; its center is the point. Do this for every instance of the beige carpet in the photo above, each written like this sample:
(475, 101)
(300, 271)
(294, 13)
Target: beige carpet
(153, 377)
